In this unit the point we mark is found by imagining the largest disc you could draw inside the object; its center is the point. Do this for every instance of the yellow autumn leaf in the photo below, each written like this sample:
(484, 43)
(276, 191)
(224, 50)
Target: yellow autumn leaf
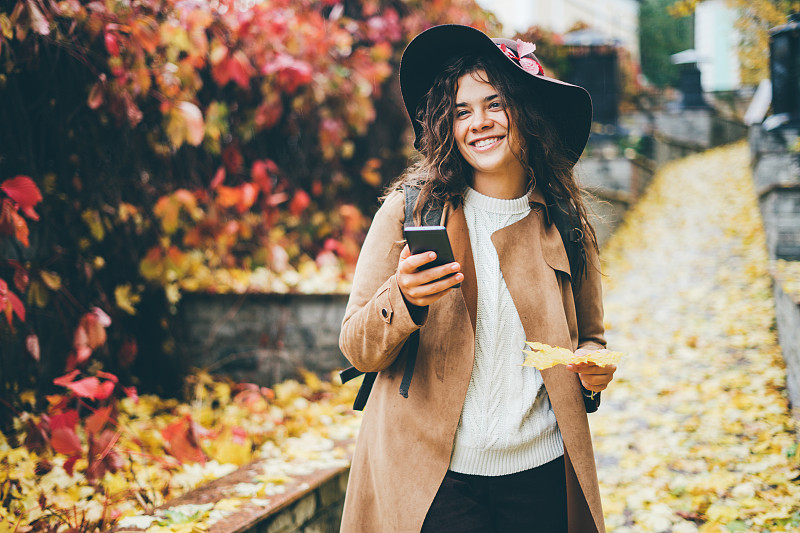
(543, 356)
(722, 513)
(37, 294)
(226, 451)
(126, 299)
(92, 219)
(228, 504)
(51, 279)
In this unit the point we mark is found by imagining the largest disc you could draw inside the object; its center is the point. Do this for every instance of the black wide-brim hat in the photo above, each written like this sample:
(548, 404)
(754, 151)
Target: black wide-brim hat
(567, 106)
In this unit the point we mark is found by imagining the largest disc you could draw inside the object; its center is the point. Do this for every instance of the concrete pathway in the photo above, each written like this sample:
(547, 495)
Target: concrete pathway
(695, 434)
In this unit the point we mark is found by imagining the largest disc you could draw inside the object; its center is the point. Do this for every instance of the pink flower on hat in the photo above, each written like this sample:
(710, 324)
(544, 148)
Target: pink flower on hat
(528, 64)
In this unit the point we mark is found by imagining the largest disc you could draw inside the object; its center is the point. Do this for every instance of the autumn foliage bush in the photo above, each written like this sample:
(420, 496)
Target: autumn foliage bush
(158, 146)
(153, 147)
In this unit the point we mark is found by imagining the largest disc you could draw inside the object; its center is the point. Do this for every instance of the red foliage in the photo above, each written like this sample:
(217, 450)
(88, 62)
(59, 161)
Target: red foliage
(102, 456)
(299, 202)
(182, 441)
(24, 192)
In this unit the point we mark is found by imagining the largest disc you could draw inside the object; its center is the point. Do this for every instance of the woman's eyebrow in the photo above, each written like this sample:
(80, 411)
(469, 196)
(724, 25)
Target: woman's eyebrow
(485, 99)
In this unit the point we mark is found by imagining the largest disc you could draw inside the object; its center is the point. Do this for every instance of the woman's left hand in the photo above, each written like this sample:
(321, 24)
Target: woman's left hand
(594, 378)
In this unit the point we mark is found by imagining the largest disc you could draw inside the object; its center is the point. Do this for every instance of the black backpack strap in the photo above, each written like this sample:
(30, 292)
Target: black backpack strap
(431, 216)
(431, 213)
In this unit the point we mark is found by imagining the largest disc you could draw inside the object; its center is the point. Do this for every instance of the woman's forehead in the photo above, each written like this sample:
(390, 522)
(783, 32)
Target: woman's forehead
(475, 80)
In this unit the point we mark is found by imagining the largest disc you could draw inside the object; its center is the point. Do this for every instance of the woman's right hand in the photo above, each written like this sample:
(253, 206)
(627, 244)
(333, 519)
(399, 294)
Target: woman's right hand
(423, 287)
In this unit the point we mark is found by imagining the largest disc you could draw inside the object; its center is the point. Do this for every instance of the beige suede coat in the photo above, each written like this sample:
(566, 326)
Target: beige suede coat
(403, 449)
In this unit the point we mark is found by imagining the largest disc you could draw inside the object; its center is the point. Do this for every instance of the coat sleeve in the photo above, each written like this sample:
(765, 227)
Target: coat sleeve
(589, 305)
(377, 321)
(589, 314)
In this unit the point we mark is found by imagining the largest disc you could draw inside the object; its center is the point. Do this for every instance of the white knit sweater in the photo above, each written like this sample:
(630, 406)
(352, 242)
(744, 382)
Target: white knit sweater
(507, 424)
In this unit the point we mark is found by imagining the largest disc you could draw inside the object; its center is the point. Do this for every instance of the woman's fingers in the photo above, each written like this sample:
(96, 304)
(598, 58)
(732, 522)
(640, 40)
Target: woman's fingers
(428, 293)
(423, 287)
(593, 377)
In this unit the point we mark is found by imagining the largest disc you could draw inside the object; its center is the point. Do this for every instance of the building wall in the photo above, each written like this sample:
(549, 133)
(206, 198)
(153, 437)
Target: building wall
(716, 43)
(619, 19)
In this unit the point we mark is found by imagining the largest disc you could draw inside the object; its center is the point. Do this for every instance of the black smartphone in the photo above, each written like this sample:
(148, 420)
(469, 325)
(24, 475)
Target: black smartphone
(422, 239)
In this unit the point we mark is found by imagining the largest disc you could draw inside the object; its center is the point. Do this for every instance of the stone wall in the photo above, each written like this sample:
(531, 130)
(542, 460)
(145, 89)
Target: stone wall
(780, 210)
(787, 312)
(319, 511)
(776, 175)
(263, 338)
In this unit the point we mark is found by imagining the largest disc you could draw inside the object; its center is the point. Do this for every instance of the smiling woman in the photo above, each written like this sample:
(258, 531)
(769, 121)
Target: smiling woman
(479, 442)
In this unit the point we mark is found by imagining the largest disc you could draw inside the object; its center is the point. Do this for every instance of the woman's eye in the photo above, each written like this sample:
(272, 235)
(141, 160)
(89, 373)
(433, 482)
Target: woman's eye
(461, 113)
(495, 105)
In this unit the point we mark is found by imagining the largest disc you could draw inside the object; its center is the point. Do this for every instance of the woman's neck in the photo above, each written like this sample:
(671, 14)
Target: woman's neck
(505, 187)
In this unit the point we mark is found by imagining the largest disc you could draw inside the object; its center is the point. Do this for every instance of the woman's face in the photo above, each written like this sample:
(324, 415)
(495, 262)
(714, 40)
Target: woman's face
(482, 130)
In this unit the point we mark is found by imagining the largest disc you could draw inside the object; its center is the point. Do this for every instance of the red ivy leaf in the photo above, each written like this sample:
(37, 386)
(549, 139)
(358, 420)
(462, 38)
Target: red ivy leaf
(67, 419)
(7, 212)
(16, 305)
(66, 379)
(64, 440)
(291, 72)
(37, 435)
(182, 441)
(69, 464)
(219, 177)
(10, 303)
(112, 45)
(102, 457)
(21, 277)
(106, 389)
(24, 192)
(98, 419)
(299, 202)
(20, 229)
(85, 388)
(91, 388)
(260, 174)
(248, 197)
(131, 393)
(240, 70)
(107, 375)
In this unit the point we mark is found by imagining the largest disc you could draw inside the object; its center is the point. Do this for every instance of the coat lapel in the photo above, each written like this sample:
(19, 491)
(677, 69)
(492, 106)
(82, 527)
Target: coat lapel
(458, 233)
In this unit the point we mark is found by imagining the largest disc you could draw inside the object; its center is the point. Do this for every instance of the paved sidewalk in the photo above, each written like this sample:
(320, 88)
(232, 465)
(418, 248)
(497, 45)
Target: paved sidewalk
(694, 434)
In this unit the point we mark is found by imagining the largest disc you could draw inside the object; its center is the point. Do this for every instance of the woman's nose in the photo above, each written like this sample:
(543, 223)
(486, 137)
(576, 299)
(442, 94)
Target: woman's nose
(480, 121)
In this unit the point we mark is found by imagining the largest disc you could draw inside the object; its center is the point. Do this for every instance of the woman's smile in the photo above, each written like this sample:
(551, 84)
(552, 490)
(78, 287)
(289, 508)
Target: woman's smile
(486, 143)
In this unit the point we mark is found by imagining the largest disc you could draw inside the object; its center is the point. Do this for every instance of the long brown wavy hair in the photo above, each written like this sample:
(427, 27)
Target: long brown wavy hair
(441, 172)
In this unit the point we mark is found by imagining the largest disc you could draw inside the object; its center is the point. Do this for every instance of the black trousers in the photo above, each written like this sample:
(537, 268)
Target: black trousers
(533, 501)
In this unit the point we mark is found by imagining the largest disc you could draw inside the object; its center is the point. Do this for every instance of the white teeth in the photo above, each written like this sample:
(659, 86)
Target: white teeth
(485, 142)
